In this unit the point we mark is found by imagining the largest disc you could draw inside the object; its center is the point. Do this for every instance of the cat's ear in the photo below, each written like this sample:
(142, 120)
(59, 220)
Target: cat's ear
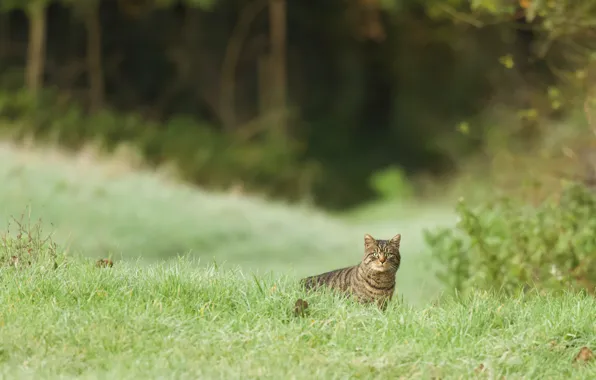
(396, 240)
(368, 241)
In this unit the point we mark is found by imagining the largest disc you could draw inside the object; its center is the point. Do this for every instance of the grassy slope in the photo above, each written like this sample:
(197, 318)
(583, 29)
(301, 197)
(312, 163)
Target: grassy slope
(103, 209)
(175, 321)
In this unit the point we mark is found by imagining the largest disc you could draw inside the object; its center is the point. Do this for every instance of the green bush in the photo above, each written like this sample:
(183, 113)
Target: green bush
(508, 245)
(201, 154)
(391, 183)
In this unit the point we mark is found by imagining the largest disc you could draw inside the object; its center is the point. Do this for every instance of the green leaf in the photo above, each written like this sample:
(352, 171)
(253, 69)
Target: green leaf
(507, 61)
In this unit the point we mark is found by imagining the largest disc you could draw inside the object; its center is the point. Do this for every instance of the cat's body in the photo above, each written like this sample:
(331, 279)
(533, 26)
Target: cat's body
(373, 280)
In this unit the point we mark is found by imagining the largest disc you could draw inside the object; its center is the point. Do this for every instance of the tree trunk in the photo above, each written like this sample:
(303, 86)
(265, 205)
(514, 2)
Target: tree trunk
(94, 57)
(277, 25)
(4, 34)
(37, 46)
(264, 66)
(227, 91)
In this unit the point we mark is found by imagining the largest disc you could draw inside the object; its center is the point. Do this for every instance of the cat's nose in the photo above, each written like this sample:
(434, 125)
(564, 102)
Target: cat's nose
(382, 259)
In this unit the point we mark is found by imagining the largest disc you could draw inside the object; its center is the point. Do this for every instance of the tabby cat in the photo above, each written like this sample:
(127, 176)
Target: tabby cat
(373, 280)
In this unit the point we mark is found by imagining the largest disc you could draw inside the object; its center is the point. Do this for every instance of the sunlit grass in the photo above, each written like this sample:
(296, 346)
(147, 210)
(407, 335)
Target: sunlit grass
(156, 315)
(177, 321)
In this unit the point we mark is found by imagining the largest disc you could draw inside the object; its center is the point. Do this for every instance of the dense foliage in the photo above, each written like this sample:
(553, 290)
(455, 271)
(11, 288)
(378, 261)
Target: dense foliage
(509, 245)
(296, 99)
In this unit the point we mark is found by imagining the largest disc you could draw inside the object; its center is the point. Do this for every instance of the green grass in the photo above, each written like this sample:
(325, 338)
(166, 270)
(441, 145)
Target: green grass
(174, 321)
(156, 315)
(101, 209)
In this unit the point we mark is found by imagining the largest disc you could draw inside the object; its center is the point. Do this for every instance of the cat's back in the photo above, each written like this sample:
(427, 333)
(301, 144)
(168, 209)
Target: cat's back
(339, 279)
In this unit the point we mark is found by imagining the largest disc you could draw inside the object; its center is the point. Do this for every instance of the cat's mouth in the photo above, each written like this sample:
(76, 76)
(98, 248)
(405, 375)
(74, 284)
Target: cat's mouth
(382, 267)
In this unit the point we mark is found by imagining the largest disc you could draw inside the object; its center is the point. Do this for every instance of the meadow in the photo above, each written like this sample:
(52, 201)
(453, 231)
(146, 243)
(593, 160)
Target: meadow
(203, 286)
(99, 208)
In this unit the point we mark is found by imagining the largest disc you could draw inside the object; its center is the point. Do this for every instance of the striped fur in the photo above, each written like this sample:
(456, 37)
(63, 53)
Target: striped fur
(373, 280)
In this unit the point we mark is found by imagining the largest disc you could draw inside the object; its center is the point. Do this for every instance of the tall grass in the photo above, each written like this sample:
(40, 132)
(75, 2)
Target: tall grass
(224, 310)
(175, 321)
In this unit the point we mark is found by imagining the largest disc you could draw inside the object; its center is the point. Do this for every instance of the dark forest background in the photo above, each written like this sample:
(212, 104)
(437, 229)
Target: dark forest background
(293, 99)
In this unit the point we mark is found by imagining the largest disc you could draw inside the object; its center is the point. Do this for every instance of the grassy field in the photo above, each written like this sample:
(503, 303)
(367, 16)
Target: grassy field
(101, 209)
(174, 321)
(156, 315)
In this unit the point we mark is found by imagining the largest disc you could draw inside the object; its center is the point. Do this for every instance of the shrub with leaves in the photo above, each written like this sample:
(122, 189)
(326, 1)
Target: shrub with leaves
(24, 244)
(508, 245)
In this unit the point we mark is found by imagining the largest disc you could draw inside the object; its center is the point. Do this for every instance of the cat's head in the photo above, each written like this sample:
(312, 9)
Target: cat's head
(382, 255)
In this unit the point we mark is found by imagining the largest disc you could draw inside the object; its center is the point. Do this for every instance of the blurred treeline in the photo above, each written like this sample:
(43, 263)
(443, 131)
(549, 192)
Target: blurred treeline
(295, 99)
